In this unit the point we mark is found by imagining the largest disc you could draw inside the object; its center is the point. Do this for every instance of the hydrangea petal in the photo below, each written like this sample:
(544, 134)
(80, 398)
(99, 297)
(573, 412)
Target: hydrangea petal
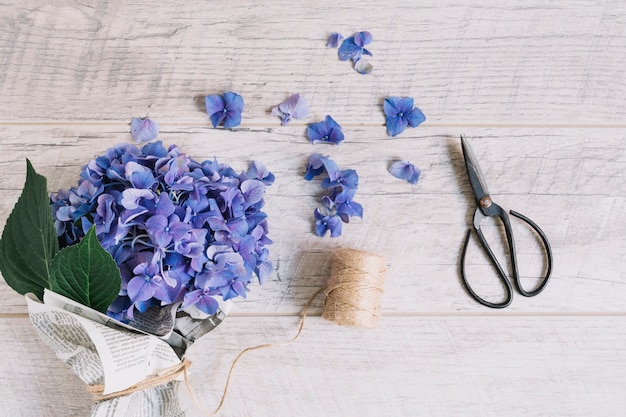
(328, 131)
(395, 125)
(233, 102)
(363, 67)
(415, 117)
(349, 50)
(315, 166)
(217, 118)
(327, 223)
(391, 105)
(143, 130)
(363, 38)
(293, 107)
(233, 119)
(214, 104)
(334, 39)
(252, 191)
(406, 171)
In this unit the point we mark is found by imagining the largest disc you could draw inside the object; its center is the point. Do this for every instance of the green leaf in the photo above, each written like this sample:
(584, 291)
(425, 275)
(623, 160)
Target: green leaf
(86, 273)
(29, 241)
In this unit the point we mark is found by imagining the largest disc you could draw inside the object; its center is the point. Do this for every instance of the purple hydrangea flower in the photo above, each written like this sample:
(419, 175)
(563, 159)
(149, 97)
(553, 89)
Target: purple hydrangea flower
(179, 230)
(334, 39)
(225, 109)
(327, 131)
(400, 113)
(325, 223)
(144, 130)
(405, 170)
(338, 204)
(319, 164)
(353, 48)
(295, 107)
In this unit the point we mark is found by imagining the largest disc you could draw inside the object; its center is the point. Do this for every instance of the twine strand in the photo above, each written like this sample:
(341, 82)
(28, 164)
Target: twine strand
(352, 298)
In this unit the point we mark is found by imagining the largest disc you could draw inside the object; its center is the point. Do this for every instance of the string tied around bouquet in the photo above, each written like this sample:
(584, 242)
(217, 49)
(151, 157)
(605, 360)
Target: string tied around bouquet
(352, 298)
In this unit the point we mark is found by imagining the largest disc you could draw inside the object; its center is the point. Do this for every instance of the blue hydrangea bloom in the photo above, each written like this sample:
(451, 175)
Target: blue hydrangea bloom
(225, 109)
(325, 223)
(327, 131)
(180, 231)
(400, 113)
(295, 107)
(144, 130)
(353, 48)
(405, 170)
(319, 164)
(338, 204)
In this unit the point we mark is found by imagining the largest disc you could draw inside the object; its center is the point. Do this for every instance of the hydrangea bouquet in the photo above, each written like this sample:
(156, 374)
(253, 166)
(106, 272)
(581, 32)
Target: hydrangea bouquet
(146, 252)
(180, 231)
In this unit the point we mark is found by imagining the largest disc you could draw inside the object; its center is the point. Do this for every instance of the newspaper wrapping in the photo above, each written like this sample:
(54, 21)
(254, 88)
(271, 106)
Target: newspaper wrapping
(103, 351)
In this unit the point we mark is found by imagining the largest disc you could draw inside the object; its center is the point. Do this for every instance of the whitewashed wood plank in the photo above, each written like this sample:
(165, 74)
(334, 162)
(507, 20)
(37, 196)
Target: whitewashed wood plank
(570, 181)
(430, 366)
(464, 62)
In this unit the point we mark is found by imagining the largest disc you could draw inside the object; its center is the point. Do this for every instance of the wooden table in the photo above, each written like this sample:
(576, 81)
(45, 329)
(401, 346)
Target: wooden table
(537, 87)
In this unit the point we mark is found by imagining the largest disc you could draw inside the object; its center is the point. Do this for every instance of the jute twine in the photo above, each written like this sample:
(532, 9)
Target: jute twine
(355, 288)
(352, 298)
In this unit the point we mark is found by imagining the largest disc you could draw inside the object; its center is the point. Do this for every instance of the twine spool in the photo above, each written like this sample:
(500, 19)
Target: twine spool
(355, 288)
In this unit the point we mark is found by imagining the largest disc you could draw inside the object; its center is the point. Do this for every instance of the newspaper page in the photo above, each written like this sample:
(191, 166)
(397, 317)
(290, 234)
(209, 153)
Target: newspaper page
(114, 357)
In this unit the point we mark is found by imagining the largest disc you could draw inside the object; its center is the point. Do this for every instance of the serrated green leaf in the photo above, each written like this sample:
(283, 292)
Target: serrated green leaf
(86, 273)
(29, 241)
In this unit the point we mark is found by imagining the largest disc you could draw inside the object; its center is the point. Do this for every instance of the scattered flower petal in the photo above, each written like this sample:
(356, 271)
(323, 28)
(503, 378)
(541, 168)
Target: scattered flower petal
(363, 38)
(325, 223)
(295, 107)
(327, 131)
(334, 39)
(338, 204)
(353, 48)
(405, 170)
(349, 50)
(225, 109)
(363, 67)
(144, 130)
(400, 113)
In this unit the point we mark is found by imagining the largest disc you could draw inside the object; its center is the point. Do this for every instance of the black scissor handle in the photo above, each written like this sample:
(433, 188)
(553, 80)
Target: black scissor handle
(548, 250)
(507, 285)
(496, 211)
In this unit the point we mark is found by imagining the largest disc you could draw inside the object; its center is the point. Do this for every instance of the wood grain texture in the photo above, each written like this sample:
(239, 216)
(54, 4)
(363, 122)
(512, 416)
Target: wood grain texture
(539, 90)
(464, 62)
(433, 366)
(419, 229)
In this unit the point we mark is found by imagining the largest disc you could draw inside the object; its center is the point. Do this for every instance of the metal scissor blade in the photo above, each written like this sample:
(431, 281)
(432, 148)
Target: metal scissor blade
(476, 177)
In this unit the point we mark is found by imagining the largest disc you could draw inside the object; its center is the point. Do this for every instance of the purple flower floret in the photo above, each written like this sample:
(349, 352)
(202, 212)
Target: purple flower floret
(180, 231)
(295, 107)
(354, 47)
(326, 131)
(338, 205)
(405, 170)
(144, 130)
(400, 113)
(334, 39)
(325, 223)
(224, 109)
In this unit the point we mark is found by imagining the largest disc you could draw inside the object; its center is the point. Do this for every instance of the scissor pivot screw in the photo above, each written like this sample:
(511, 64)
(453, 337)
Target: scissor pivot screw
(485, 202)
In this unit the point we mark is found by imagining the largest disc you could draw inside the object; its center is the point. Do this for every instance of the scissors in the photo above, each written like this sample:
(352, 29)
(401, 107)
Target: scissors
(487, 208)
